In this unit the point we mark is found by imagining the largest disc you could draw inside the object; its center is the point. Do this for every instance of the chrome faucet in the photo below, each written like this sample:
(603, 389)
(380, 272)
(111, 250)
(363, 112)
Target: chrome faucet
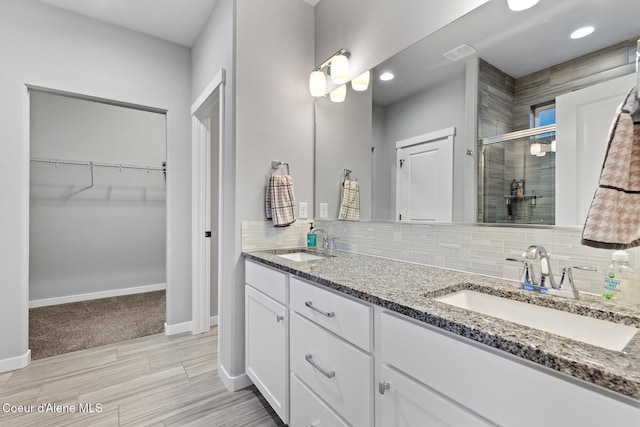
(528, 279)
(535, 251)
(325, 238)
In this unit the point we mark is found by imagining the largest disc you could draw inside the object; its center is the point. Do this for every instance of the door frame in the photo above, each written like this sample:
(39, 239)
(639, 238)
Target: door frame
(447, 133)
(201, 203)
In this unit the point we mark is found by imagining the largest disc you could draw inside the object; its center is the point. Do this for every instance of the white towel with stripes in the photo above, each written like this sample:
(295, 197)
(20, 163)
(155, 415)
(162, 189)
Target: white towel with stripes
(280, 201)
(350, 201)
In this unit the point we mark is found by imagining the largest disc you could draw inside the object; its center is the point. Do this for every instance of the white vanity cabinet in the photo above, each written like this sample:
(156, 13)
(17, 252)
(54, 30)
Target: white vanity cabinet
(404, 402)
(429, 372)
(331, 342)
(267, 335)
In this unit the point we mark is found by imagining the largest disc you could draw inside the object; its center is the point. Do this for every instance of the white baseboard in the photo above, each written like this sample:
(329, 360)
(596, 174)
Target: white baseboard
(14, 363)
(178, 328)
(233, 383)
(96, 295)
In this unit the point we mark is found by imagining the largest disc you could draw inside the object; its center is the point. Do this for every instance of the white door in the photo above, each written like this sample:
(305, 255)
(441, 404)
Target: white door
(425, 177)
(405, 402)
(583, 121)
(266, 349)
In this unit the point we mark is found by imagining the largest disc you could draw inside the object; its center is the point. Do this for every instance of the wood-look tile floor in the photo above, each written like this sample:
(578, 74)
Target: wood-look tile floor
(150, 381)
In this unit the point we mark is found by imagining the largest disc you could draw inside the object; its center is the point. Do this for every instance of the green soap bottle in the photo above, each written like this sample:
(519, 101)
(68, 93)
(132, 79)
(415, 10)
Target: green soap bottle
(311, 237)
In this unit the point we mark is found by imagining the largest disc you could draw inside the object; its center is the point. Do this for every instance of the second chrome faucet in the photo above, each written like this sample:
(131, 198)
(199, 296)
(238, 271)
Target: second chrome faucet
(547, 283)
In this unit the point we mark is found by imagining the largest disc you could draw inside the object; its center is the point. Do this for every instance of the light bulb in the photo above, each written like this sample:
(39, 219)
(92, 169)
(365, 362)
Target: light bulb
(340, 69)
(317, 83)
(582, 32)
(535, 149)
(339, 94)
(361, 83)
(518, 5)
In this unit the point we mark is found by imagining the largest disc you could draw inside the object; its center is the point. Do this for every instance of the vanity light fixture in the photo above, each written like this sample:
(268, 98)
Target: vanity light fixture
(582, 32)
(541, 150)
(317, 83)
(518, 5)
(361, 83)
(339, 94)
(337, 67)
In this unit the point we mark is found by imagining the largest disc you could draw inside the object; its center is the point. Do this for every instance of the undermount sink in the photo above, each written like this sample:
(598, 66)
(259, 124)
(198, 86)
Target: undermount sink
(300, 256)
(612, 336)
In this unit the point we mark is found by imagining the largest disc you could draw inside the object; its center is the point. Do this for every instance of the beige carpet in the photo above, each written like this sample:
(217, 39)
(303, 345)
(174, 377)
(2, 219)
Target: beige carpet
(64, 328)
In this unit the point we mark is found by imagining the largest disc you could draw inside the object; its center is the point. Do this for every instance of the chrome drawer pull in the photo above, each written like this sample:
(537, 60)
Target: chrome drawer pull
(324, 313)
(279, 318)
(325, 373)
(383, 386)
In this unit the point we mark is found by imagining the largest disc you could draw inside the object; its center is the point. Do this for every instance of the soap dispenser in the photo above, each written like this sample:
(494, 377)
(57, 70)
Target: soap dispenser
(311, 237)
(620, 281)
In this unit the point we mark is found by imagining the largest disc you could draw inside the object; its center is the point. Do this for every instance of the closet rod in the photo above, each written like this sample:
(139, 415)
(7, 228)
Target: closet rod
(93, 164)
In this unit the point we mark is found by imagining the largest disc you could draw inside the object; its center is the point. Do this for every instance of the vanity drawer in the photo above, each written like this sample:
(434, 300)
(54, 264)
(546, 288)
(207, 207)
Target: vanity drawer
(307, 409)
(267, 280)
(336, 371)
(342, 316)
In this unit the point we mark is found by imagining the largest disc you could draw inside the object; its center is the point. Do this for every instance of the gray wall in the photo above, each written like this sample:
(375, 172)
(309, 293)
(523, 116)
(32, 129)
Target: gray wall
(109, 237)
(212, 52)
(269, 116)
(53, 48)
(437, 108)
(343, 141)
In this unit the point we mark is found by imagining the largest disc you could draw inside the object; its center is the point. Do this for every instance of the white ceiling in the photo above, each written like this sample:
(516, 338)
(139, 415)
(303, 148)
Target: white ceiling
(517, 43)
(178, 21)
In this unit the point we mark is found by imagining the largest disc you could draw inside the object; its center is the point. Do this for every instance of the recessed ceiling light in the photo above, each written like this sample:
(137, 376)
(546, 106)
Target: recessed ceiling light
(386, 76)
(518, 5)
(582, 32)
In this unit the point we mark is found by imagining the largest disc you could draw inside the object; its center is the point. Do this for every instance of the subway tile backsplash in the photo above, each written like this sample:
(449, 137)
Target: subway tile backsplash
(467, 247)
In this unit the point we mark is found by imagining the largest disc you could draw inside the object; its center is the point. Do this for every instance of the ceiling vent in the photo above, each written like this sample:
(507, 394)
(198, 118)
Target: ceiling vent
(459, 52)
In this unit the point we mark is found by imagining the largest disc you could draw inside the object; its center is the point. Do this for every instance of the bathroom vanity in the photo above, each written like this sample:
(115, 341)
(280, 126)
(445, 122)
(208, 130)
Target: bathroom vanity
(365, 341)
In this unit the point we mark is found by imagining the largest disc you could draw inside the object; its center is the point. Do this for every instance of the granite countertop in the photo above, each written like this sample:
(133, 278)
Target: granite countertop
(410, 289)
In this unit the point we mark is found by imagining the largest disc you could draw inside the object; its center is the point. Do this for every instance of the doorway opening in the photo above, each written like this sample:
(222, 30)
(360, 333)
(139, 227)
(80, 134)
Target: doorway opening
(207, 119)
(97, 238)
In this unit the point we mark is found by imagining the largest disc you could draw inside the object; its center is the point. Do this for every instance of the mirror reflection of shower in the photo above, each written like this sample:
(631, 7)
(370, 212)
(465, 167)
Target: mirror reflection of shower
(517, 177)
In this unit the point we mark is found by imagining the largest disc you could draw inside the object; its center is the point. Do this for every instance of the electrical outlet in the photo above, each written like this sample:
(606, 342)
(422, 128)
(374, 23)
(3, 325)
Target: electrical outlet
(324, 210)
(303, 210)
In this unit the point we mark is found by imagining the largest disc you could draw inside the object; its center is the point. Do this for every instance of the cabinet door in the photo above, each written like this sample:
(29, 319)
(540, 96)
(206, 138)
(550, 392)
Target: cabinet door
(267, 349)
(405, 402)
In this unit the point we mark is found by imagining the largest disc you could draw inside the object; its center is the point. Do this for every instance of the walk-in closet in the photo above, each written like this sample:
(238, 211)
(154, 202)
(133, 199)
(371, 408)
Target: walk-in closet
(97, 222)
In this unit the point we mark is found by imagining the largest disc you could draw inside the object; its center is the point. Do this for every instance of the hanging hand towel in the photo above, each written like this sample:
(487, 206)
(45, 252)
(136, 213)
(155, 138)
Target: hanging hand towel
(280, 201)
(350, 201)
(613, 221)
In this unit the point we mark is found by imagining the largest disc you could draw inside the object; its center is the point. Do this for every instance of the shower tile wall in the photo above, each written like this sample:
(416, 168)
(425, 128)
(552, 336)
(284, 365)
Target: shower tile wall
(496, 100)
(466, 247)
(504, 105)
(596, 67)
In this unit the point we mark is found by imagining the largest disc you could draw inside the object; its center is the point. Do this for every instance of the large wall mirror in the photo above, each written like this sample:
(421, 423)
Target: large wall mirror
(533, 155)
